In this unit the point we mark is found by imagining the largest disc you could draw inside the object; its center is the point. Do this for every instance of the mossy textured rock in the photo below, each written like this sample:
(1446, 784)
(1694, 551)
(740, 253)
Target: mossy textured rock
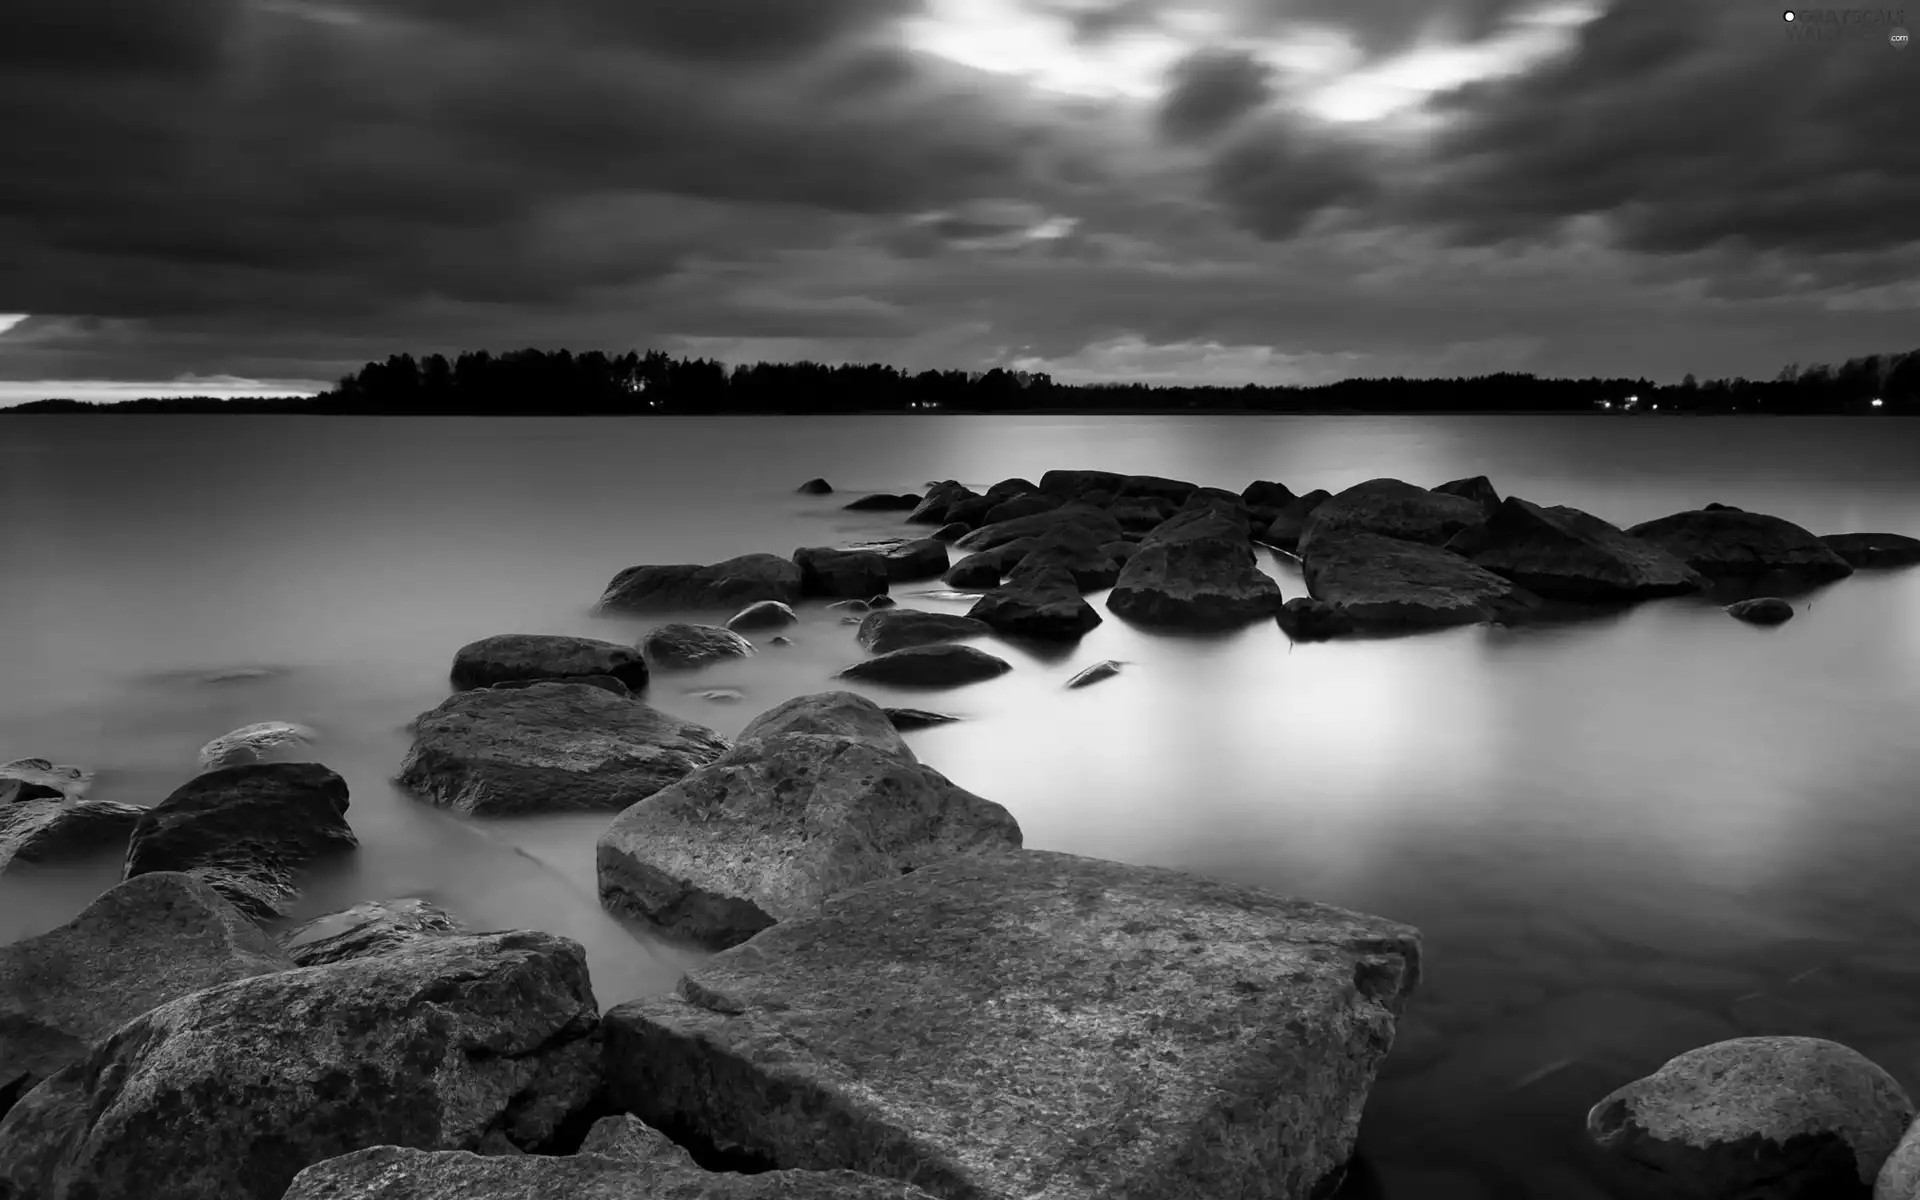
(1037, 1025)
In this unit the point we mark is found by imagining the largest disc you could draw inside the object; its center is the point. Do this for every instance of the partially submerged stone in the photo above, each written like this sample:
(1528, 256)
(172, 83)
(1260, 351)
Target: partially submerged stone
(622, 1159)
(767, 614)
(1562, 553)
(1027, 504)
(1761, 610)
(984, 569)
(1774, 1117)
(368, 928)
(816, 796)
(905, 719)
(522, 657)
(1074, 484)
(1395, 509)
(247, 831)
(943, 665)
(1196, 571)
(1043, 602)
(1305, 619)
(683, 647)
(897, 628)
(1385, 584)
(263, 741)
(56, 830)
(885, 502)
(551, 747)
(1034, 1024)
(39, 779)
(1874, 551)
(827, 571)
(746, 579)
(815, 487)
(137, 946)
(1105, 669)
(458, 1043)
(1728, 543)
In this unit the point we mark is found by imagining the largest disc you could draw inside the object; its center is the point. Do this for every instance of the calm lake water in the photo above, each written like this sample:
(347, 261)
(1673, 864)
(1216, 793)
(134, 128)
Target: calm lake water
(1621, 839)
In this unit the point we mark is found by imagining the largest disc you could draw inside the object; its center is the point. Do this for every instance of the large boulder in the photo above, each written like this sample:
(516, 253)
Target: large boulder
(49, 831)
(246, 831)
(682, 647)
(943, 665)
(826, 571)
(923, 558)
(1078, 551)
(1564, 554)
(1196, 571)
(551, 747)
(1076, 484)
(1013, 485)
(816, 796)
(767, 614)
(893, 629)
(973, 511)
(932, 510)
(1726, 543)
(1385, 584)
(514, 657)
(1392, 509)
(1287, 525)
(1900, 1177)
(1305, 619)
(1095, 520)
(1874, 552)
(458, 1043)
(1266, 494)
(724, 585)
(1761, 610)
(1034, 1024)
(137, 946)
(262, 741)
(1477, 488)
(373, 927)
(1041, 602)
(1221, 501)
(1174, 491)
(622, 1159)
(39, 779)
(1772, 1118)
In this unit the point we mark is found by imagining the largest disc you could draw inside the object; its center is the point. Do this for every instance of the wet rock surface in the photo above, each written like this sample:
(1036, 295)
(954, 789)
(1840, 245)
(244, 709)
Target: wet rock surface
(1034, 1024)
(898, 628)
(263, 741)
(683, 647)
(1195, 571)
(459, 1043)
(140, 944)
(817, 795)
(39, 779)
(524, 657)
(246, 831)
(1105, 669)
(551, 747)
(1095, 521)
(943, 665)
(1564, 554)
(1385, 584)
(905, 719)
(827, 571)
(767, 614)
(1041, 602)
(731, 584)
(56, 830)
(371, 927)
(1729, 543)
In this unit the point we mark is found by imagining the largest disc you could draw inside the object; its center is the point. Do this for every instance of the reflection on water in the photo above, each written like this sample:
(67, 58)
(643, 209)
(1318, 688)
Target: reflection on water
(1622, 838)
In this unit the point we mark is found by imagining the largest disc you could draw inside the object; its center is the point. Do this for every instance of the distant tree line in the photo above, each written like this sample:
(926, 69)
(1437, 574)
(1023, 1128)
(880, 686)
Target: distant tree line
(561, 383)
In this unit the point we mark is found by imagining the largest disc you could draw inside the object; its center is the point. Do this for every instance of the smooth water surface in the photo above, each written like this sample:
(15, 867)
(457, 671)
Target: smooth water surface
(1621, 839)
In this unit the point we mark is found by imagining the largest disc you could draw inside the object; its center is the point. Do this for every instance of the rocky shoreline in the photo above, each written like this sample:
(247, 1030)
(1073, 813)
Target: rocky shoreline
(904, 1002)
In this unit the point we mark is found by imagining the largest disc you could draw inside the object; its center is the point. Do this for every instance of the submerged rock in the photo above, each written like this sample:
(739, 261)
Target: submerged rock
(1196, 571)
(372, 927)
(456, 1043)
(943, 665)
(38, 779)
(905, 719)
(683, 647)
(898, 628)
(1105, 669)
(137, 946)
(1041, 602)
(825, 571)
(1874, 551)
(1305, 619)
(1762, 610)
(1034, 1024)
(246, 831)
(49, 831)
(746, 579)
(1383, 583)
(263, 741)
(622, 1159)
(1728, 543)
(885, 502)
(1564, 554)
(816, 796)
(1773, 1118)
(1394, 509)
(815, 487)
(551, 747)
(521, 657)
(767, 614)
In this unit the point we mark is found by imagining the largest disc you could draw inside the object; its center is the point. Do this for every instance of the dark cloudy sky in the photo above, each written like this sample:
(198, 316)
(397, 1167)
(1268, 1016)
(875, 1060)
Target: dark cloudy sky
(209, 195)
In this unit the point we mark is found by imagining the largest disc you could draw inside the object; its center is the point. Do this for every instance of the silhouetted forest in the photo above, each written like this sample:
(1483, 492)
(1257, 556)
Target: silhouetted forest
(561, 383)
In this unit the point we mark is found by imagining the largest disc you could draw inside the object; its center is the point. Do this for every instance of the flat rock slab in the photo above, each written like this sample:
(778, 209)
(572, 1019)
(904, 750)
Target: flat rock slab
(1195, 571)
(817, 796)
(944, 665)
(1382, 583)
(1726, 542)
(1034, 1025)
(1393, 508)
(1874, 551)
(683, 647)
(1562, 553)
(461, 1043)
(622, 1159)
(518, 657)
(55, 830)
(732, 584)
(137, 946)
(262, 741)
(552, 747)
(372, 927)
(247, 831)
(1766, 1118)
(893, 629)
